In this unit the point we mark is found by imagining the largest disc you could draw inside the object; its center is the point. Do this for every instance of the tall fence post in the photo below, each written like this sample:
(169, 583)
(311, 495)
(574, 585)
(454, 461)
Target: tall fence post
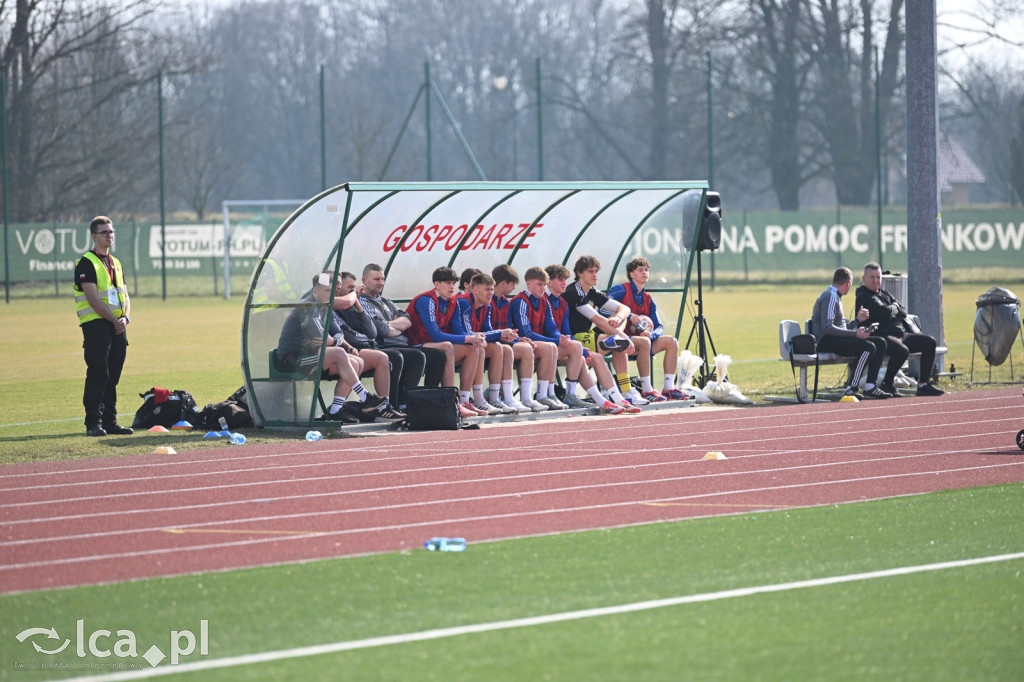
(163, 214)
(3, 143)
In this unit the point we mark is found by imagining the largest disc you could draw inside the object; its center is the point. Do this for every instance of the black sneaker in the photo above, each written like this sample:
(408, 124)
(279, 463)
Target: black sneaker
(929, 390)
(95, 432)
(373, 402)
(118, 430)
(891, 390)
(877, 393)
(852, 392)
(388, 411)
(340, 416)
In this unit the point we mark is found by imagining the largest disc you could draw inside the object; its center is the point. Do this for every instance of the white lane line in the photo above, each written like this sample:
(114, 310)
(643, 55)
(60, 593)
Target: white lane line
(446, 484)
(761, 441)
(470, 519)
(546, 437)
(548, 619)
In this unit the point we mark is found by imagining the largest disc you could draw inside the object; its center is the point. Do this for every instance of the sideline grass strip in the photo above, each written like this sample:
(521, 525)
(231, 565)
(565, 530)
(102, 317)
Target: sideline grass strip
(337, 647)
(954, 624)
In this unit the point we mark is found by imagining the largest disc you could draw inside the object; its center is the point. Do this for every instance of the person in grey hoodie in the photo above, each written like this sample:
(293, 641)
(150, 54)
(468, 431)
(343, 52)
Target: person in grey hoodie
(837, 335)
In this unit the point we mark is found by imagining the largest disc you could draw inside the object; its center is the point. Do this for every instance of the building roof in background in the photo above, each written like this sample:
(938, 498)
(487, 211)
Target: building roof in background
(955, 167)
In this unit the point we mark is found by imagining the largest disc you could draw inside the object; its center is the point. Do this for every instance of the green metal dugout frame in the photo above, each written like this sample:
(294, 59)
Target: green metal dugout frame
(413, 228)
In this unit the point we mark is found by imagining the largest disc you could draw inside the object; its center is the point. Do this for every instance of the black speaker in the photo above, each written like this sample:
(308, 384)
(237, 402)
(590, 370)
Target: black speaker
(709, 237)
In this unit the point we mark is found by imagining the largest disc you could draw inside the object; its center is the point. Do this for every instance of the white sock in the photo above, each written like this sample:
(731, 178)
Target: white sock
(542, 388)
(670, 381)
(646, 383)
(463, 396)
(494, 392)
(595, 395)
(570, 387)
(478, 394)
(337, 404)
(615, 395)
(551, 390)
(526, 390)
(359, 391)
(506, 390)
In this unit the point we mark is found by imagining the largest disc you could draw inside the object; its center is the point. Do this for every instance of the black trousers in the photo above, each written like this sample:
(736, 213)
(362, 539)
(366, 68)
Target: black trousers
(869, 352)
(104, 359)
(912, 343)
(409, 365)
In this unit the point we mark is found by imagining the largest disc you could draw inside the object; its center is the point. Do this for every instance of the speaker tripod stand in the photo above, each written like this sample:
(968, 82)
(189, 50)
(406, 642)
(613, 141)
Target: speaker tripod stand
(703, 332)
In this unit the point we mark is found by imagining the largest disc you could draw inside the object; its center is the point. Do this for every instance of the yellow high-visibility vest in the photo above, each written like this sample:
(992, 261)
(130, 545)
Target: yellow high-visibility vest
(113, 294)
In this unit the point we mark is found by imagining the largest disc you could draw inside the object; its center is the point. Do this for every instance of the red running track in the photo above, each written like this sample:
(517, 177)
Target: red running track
(105, 520)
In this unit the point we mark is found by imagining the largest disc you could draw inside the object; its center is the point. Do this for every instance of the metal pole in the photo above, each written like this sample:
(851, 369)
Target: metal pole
(323, 134)
(924, 220)
(3, 143)
(163, 220)
(540, 128)
(878, 155)
(711, 158)
(430, 160)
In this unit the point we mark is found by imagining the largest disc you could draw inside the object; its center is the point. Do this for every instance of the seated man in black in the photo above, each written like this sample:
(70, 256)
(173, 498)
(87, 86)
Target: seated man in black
(902, 337)
(837, 335)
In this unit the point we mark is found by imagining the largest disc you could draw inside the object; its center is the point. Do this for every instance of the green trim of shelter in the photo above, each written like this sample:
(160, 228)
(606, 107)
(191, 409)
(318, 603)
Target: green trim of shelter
(415, 227)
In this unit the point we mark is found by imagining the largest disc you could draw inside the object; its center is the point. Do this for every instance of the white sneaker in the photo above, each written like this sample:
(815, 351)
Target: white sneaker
(517, 406)
(635, 398)
(551, 403)
(503, 408)
(573, 400)
(486, 407)
(535, 406)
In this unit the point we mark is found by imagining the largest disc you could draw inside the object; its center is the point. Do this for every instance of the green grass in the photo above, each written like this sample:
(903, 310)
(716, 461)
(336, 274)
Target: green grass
(956, 624)
(193, 344)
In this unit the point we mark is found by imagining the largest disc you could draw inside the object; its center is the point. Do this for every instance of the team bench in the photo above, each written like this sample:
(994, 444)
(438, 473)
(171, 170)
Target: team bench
(799, 350)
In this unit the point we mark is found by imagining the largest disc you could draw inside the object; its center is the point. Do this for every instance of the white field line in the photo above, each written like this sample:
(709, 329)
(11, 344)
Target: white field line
(517, 447)
(547, 437)
(341, 477)
(471, 519)
(424, 503)
(534, 621)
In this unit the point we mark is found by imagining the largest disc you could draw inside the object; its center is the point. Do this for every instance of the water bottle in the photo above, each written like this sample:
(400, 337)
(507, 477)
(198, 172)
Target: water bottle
(446, 544)
(313, 436)
(237, 439)
(223, 424)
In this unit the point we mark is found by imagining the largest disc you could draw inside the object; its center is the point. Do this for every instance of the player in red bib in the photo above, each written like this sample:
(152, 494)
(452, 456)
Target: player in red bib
(639, 302)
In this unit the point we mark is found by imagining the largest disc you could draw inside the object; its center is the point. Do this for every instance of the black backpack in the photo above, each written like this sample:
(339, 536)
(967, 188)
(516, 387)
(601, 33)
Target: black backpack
(174, 406)
(433, 409)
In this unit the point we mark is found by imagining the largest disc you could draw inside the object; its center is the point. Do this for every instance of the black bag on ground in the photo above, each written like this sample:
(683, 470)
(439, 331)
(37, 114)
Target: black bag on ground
(165, 408)
(432, 409)
(235, 413)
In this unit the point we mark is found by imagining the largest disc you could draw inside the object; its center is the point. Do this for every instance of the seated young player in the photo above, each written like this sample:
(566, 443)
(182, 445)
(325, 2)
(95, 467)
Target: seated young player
(530, 311)
(558, 281)
(432, 313)
(639, 302)
(599, 333)
(527, 353)
(475, 316)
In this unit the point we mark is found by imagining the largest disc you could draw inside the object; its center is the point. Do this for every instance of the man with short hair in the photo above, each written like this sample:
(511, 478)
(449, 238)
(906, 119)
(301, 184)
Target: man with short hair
(901, 336)
(835, 335)
(639, 302)
(506, 279)
(599, 333)
(104, 309)
(432, 313)
(392, 323)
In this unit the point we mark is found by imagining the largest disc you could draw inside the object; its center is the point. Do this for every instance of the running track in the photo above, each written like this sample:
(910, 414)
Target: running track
(105, 520)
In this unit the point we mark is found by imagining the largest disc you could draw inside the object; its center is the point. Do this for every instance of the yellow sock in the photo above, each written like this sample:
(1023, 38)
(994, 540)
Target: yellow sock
(622, 379)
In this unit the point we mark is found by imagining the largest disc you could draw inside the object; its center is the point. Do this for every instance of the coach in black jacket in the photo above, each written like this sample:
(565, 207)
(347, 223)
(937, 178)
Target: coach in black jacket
(902, 337)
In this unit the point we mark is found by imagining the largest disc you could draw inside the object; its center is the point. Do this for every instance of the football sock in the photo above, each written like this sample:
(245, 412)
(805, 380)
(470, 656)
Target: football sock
(507, 392)
(337, 404)
(595, 395)
(670, 381)
(494, 392)
(526, 389)
(616, 397)
(622, 381)
(570, 387)
(360, 391)
(464, 396)
(645, 382)
(478, 394)
(542, 388)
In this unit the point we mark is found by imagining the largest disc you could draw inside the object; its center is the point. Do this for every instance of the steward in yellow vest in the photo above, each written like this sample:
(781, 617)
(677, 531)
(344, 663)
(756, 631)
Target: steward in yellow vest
(103, 309)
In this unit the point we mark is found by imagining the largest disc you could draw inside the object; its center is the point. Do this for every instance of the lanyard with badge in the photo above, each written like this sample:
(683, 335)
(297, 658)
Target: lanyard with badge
(113, 294)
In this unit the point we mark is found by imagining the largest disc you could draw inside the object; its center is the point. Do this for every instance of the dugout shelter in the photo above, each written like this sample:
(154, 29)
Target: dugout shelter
(412, 228)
